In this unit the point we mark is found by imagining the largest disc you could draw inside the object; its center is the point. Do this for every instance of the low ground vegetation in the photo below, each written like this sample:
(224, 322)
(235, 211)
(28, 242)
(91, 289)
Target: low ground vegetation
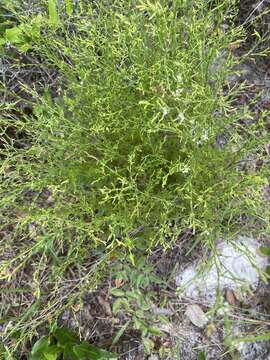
(129, 138)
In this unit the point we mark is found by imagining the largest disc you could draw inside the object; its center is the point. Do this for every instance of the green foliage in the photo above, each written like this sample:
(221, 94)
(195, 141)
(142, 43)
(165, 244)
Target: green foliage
(265, 250)
(28, 31)
(65, 345)
(201, 355)
(133, 142)
(262, 337)
(140, 276)
(69, 6)
(53, 12)
(128, 142)
(21, 35)
(137, 302)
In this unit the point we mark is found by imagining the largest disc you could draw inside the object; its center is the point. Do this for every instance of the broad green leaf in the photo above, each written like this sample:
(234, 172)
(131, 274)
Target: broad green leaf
(201, 356)
(65, 336)
(49, 356)
(264, 250)
(85, 351)
(68, 352)
(36, 357)
(139, 324)
(140, 280)
(40, 346)
(154, 330)
(24, 47)
(52, 352)
(14, 35)
(120, 303)
(5, 25)
(33, 29)
(267, 269)
(143, 304)
(135, 295)
(53, 12)
(117, 292)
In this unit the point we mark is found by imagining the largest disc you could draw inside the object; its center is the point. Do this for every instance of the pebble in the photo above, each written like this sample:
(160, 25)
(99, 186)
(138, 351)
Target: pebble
(196, 315)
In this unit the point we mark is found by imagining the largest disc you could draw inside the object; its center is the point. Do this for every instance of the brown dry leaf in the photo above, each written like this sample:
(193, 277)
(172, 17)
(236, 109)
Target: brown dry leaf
(106, 305)
(119, 283)
(234, 46)
(230, 297)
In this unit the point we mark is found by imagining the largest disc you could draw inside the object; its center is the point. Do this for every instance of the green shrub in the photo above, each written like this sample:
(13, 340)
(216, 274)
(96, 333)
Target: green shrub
(129, 143)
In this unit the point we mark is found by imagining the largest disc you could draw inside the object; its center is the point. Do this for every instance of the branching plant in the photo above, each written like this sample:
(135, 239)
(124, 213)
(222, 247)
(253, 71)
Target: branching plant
(126, 155)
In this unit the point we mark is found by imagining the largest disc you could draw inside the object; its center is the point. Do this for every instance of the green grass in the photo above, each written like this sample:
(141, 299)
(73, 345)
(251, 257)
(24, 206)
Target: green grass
(129, 143)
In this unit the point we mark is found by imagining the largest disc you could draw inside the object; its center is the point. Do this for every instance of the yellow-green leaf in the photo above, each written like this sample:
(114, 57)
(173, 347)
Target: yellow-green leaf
(14, 35)
(53, 12)
(264, 250)
(69, 6)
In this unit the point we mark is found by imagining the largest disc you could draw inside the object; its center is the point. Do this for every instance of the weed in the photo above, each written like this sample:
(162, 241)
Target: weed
(129, 143)
(64, 343)
(133, 297)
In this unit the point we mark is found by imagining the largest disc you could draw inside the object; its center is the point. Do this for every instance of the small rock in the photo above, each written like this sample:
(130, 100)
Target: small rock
(236, 267)
(256, 350)
(195, 314)
(161, 311)
(153, 357)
